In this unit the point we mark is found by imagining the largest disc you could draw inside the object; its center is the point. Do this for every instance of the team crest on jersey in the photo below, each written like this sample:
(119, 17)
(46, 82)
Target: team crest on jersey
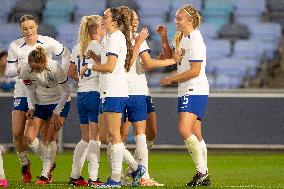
(17, 102)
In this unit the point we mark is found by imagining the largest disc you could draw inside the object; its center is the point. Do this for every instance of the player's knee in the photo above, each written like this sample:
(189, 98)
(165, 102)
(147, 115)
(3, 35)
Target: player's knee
(29, 139)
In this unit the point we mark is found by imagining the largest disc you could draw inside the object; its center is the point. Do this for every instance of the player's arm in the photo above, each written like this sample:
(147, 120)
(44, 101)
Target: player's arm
(65, 90)
(150, 63)
(167, 52)
(184, 76)
(91, 54)
(138, 42)
(12, 69)
(72, 72)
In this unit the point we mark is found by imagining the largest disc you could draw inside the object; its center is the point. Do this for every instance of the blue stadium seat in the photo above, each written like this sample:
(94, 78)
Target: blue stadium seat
(88, 7)
(209, 31)
(67, 34)
(249, 11)
(248, 49)
(269, 34)
(217, 49)
(5, 9)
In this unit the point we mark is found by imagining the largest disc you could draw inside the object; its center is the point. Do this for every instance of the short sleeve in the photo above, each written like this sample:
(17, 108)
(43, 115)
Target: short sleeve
(12, 55)
(73, 56)
(197, 51)
(60, 74)
(114, 45)
(144, 48)
(56, 47)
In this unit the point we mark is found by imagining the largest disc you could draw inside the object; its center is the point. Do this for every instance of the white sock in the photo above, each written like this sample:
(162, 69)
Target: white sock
(116, 158)
(204, 153)
(37, 147)
(195, 151)
(2, 174)
(150, 144)
(108, 157)
(93, 159)
(79, 156)
(129, 160)
(141, 152)
(23, 157)
(49, 158)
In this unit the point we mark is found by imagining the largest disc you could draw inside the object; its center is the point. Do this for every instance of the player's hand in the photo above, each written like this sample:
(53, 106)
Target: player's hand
(144, 33)
(30, 114)
(178, 55)
(91, 54)
(166, 81)
(83, 70)
(162, 30)
(55, 121)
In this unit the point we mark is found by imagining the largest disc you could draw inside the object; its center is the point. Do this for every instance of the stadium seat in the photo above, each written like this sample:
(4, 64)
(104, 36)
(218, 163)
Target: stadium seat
(58, 12)
(67, 34)
(216, 49)
(249, 11)
(269, 34)
(5, 9)
(248, 49)
(22, 7)
(224, 81)
(234, 31)
(209, 31)
(7, 37)
(88, 7)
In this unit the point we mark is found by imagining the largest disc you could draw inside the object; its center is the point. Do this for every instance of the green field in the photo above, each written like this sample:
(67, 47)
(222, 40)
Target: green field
(229, 169)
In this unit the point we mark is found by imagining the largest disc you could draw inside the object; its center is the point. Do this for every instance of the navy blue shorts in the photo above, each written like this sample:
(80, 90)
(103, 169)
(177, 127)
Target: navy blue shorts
(195, 104)
(150, 104)
(45, 111)
(113, 104)
(88, 104)
(136, 108)
(21, 103)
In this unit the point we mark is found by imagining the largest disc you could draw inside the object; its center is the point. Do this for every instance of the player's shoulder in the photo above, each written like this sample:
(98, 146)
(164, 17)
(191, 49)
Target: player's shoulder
(52, 65)
(45, 39)
(17, 43)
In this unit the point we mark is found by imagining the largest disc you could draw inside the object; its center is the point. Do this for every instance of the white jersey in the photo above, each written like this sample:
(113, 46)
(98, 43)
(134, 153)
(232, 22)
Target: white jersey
(114, 84)
(45, 84)
(137, 82)
(195, 51)
(90, 81)
(18, 54)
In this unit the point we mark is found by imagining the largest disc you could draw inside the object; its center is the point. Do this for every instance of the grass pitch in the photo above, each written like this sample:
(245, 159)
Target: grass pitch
(228, 169)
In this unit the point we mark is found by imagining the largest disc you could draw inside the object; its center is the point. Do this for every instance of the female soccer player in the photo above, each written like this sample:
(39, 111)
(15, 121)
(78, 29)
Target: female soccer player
(48, 92)
(137, 102)
(115, 57)
(193, 89)
(88, 101)
(3, 180)
(17, 58)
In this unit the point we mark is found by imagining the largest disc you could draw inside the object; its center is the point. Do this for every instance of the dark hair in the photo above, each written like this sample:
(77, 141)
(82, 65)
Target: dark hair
(123, 16)
(28, 17)
(3, 53)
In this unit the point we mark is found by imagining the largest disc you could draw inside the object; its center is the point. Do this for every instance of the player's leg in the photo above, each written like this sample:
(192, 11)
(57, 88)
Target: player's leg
(151, 129)
(197, 130)
(18, 128)
(3, 180)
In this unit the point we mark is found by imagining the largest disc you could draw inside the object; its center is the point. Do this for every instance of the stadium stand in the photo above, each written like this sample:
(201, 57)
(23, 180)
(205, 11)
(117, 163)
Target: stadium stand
(238, 33)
